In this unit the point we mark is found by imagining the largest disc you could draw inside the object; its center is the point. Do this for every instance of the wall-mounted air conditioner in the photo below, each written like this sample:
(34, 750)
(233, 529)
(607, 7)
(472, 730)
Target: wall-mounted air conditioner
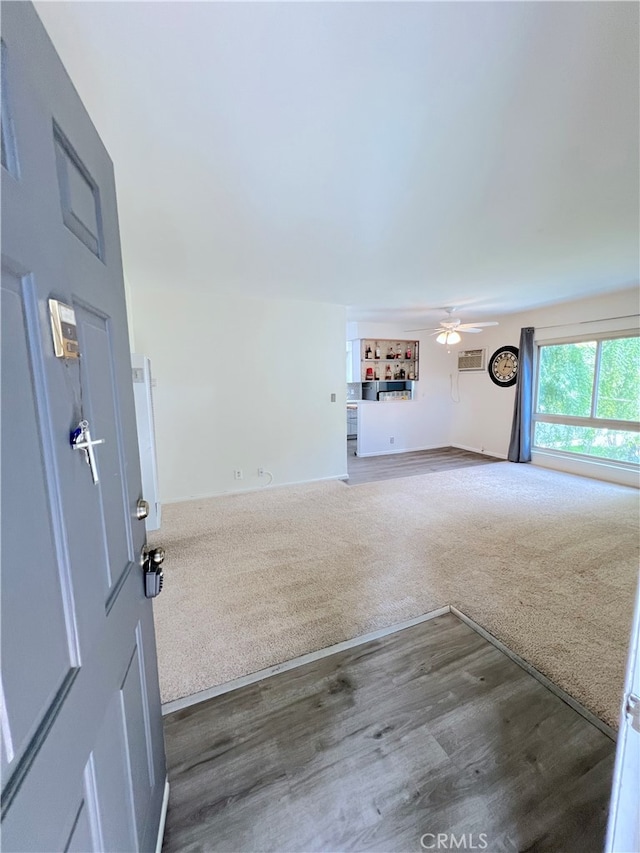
(470, 360)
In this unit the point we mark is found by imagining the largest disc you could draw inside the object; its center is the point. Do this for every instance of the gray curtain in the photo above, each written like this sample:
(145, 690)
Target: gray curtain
(520, 444)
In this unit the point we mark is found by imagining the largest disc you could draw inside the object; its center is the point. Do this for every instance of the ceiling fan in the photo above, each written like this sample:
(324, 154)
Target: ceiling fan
(448, 330)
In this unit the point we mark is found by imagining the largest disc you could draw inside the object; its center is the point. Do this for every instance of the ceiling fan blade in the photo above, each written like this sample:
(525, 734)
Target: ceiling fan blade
(453, 326)
(467, 326)
(473, 331)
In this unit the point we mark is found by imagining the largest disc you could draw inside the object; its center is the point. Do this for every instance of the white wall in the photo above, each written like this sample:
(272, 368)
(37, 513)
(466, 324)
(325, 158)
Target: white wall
(242, 383)
(419, 424)
(481, 421)
(246, 383)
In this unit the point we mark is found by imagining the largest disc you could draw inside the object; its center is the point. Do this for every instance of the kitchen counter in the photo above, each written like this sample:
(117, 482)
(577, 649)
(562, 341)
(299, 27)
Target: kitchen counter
(357, 403)
(383, 427)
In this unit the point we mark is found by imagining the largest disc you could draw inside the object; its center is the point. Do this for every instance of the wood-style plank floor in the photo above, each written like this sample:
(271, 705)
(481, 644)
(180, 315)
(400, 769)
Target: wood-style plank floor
(428, 730)
(368, 469)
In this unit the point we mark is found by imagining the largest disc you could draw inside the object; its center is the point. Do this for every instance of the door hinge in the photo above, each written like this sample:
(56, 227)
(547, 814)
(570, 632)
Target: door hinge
(632, 711)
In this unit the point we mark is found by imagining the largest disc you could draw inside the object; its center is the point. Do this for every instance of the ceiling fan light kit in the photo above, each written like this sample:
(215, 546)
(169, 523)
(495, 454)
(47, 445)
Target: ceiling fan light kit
(448, 331)
(448, 338)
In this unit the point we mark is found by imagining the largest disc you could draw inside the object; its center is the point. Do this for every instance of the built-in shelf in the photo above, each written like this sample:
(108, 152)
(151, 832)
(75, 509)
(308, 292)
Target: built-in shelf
(388, 360)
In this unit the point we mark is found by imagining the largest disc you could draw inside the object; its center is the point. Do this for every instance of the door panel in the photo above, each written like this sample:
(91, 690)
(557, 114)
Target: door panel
(138, 738)
(84, 758)
(29, 691)
(101, 409)
(79, 196)
(113, 780)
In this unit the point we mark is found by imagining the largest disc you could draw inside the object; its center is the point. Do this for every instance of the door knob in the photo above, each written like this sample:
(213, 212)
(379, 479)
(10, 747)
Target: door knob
(142, 509)
(156, 556)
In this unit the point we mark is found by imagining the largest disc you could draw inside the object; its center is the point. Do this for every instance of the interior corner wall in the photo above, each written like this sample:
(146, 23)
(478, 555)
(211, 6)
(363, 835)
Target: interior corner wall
(481, 420)
(241, 384)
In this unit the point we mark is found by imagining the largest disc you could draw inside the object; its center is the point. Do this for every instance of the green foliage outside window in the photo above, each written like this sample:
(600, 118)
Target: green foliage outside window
(619, 383)
(566, 387)
(566, 379)
(621, 445)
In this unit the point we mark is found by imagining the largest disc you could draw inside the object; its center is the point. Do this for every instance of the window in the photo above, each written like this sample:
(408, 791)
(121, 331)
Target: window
(588, 399)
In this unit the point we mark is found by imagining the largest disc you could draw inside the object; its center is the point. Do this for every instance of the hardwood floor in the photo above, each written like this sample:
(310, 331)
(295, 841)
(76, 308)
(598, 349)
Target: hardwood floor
(367, 469)
(428, 730)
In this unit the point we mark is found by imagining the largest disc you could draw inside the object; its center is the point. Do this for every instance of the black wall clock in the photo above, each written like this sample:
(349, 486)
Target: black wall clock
(503, 366)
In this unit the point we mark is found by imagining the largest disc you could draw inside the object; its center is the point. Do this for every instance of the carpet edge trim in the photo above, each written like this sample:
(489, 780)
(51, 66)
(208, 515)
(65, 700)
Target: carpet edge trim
(253, 677)
(294, 663)
(531, 670)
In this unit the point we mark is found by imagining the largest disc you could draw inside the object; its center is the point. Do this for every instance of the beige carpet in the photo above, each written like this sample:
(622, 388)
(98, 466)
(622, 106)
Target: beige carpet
(547, 562)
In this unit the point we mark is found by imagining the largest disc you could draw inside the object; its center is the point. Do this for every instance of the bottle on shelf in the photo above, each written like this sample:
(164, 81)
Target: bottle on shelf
(402, 373)
(368, 352)
(390, 352)
(377, 372)
(377, 350)
(398, 351)
(408, 352)
(388, 374)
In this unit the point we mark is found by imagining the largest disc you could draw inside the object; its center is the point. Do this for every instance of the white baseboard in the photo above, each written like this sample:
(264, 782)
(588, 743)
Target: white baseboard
(404, 450)
(269, 486)
(482, 451)
(163, 816)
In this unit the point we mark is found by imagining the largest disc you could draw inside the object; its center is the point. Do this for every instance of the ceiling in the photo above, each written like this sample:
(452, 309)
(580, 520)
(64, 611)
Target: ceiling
(392, 157)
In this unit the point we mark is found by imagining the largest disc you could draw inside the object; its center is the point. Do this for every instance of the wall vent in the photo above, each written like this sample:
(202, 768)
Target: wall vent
(471, 359)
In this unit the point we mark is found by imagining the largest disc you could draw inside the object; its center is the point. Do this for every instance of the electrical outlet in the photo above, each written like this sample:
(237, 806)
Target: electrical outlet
(237, 473)
(392, 440)
(260, 472)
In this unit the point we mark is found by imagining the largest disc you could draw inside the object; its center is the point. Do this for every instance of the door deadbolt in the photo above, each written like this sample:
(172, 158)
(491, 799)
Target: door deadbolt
(152, 570)
(156, 556)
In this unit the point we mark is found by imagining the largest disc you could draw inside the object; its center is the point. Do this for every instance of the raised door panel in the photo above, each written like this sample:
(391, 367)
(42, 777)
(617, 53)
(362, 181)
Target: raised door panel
(113, 782)
(35, 578)
(139, 738)
(100, 407)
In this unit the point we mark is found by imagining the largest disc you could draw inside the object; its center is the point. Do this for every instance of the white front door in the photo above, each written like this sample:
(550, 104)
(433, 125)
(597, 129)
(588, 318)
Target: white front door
(623, 835)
